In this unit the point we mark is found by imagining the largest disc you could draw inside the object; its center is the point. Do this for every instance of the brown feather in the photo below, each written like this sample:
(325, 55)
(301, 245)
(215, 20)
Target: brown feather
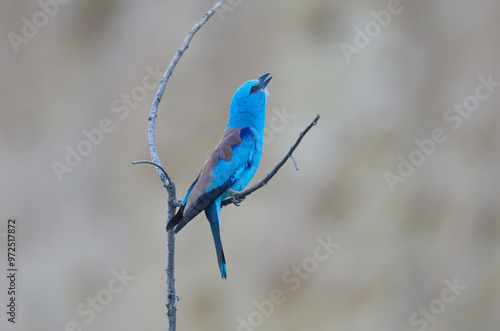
(223, 151)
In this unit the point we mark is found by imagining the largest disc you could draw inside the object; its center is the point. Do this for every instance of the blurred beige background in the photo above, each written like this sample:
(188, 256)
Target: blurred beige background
(423, 256)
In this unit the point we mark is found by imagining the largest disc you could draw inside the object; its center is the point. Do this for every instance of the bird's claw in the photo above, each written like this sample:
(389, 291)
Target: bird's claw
(234, 199)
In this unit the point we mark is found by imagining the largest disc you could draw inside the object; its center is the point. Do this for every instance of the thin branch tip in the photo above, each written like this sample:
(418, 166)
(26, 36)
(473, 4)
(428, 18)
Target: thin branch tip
(294, 162)
(315, 120)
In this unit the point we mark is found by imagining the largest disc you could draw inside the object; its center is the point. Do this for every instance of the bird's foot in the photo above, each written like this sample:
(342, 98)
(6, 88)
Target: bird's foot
(234, 199)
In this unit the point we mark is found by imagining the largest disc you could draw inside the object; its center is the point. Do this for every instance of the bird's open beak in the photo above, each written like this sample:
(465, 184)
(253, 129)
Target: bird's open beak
(263, 81)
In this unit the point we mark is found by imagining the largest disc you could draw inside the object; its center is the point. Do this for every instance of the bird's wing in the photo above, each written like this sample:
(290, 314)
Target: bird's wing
(224, 166)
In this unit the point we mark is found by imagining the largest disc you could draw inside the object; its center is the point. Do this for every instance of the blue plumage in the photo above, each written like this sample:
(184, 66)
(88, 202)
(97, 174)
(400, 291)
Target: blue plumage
(231, 165)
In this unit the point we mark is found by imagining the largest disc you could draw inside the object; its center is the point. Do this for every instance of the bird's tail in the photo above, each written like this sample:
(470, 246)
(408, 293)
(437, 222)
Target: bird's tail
(213, 215)
(176, 219)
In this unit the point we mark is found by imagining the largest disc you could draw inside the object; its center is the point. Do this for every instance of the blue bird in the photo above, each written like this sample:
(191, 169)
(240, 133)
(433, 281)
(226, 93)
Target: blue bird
(231, 165)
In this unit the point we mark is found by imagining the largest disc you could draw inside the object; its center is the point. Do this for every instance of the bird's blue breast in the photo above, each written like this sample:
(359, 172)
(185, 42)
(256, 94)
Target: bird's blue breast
(252, 162)
(244, 162)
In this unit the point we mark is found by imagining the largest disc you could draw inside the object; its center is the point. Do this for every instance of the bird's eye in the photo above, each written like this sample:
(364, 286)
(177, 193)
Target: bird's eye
(254, 89)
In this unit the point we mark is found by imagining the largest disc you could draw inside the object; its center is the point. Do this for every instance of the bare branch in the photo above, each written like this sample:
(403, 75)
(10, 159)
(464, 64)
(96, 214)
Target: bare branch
(163, 84)
(238, 197)
(167, 182)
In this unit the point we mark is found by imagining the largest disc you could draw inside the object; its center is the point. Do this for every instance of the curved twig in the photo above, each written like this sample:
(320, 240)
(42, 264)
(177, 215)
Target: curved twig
(177, 203)
(156, 165)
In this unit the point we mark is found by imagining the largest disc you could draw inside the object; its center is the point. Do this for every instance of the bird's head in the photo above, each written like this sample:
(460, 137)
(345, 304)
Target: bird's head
(249, 102)
(253, 88)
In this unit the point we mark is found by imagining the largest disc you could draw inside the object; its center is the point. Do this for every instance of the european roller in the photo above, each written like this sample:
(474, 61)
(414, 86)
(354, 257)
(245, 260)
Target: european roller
(231, 165)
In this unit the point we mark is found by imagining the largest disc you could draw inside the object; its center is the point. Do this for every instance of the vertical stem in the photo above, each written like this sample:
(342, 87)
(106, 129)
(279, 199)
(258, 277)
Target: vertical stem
(167, 182)
(171, 296)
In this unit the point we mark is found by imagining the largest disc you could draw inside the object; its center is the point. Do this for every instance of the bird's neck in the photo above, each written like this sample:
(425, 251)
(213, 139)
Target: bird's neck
(241, 116)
